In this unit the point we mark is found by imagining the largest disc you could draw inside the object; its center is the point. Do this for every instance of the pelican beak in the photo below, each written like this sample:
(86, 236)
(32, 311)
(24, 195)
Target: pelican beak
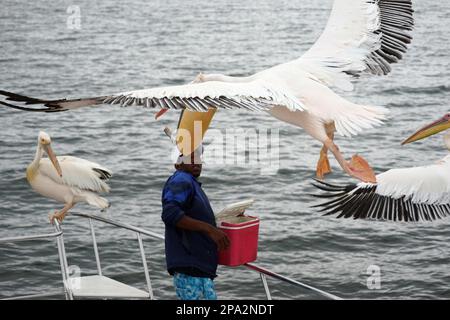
(53, 159)
(160, 113)
(429, 130)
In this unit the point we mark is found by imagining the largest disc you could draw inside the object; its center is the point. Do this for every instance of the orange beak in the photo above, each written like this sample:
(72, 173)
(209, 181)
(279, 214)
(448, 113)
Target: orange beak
(430, 129)
(160, 113)
(51, 155)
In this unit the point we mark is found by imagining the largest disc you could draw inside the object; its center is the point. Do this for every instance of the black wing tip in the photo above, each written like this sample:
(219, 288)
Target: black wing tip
(48, 105)
(334, 188)
(366, 204)
(41, 105)
(103, 174)
(396, 24)
(48, 109)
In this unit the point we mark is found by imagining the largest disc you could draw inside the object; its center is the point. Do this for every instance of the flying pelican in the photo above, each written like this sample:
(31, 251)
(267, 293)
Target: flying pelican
(361, 37)
(68, 180)
(409, 194)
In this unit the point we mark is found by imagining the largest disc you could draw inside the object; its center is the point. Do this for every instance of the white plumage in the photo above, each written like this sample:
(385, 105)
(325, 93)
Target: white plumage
(361, 37)
(77, 173)
(426, 184)
(351, 41)
(67, 179)
(406, 194)
(260, 94)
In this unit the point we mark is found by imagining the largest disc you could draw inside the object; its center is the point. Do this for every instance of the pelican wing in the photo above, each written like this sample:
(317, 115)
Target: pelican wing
(254, 96)
(78, 173)
(410, 194)
(361, 36)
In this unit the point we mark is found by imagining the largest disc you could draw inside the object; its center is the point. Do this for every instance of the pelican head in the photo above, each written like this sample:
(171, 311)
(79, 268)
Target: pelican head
(430, 129)
(44, 139)
(44, 142)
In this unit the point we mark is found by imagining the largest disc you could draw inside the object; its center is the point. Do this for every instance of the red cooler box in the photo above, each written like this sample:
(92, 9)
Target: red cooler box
(243, 242)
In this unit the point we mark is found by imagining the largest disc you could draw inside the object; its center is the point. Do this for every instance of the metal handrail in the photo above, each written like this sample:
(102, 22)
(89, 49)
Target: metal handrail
(48, 236)
(59, 233)
(290, 281)
(119, 224)
(250, 266)
(63, 260)
(138, 232)
(39, 295)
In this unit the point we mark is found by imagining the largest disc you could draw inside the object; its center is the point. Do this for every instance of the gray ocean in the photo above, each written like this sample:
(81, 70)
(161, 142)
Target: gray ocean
(121, 46)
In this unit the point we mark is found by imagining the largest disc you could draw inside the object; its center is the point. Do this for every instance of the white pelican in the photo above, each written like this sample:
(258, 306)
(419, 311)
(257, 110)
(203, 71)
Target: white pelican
(68, 180)
(409, 194)
(361, 37)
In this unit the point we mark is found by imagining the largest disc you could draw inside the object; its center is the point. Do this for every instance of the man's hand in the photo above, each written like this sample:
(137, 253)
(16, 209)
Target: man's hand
(219, 237)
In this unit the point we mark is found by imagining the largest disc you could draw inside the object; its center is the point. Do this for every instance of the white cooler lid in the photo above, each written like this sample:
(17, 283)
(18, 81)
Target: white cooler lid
(234, 209)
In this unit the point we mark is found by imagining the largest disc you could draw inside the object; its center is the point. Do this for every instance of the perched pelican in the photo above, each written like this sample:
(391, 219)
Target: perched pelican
(68, 180)
(361, 37)
(410, 194)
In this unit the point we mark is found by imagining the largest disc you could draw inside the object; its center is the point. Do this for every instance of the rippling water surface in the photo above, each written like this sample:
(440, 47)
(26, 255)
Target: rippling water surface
(134, 45)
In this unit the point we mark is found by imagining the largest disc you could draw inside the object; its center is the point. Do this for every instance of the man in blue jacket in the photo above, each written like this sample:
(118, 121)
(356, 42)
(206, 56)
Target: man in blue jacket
(192, 239)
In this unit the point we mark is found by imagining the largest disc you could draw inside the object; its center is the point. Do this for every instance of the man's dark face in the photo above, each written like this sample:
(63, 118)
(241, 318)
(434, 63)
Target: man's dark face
(193, 168)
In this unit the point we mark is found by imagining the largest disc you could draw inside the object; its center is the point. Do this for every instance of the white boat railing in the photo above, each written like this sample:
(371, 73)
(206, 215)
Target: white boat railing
(262, 271)
(40, 237)
(58, 235)
(139, 232)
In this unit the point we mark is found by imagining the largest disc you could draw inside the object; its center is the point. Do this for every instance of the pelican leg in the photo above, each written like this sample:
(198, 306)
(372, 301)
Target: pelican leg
(323, 165)
(357, 167)
(364, 170)
(60, 215)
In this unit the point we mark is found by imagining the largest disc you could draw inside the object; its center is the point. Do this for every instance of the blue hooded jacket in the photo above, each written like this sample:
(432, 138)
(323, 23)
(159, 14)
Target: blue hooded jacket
(182, 195)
